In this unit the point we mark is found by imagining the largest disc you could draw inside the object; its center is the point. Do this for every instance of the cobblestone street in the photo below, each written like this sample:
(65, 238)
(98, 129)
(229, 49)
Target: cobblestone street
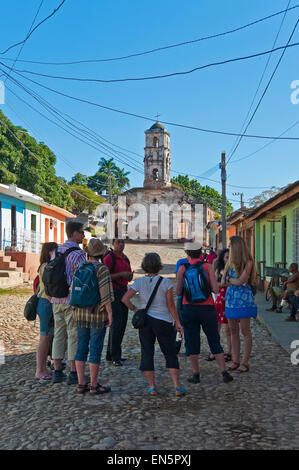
(258, 410)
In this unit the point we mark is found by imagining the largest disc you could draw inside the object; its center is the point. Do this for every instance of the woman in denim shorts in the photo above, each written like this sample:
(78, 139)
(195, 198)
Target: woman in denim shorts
(45, 313)
(200, 315)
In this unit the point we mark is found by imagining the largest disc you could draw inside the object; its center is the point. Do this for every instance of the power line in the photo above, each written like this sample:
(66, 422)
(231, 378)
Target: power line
(44, 103)
(41, 162)
(158, 49)
(23, 44)
(126, 113)
(52, 110)
(156, 77)
(264, 92)
(34, 29)
(260, 82)
(266, 145)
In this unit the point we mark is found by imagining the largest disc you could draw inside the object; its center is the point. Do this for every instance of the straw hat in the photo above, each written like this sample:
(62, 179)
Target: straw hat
(192, 246)
(95, 247)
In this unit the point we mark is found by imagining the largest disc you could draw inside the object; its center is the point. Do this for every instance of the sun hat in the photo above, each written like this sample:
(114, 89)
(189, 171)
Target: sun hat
(96, 247)
(192, 246)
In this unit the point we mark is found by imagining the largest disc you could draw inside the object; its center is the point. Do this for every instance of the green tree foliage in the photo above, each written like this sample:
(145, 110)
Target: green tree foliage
(263, 197)
(19, 167)
(204, 194)
(81, 203)
(78, 178)
(119, 178)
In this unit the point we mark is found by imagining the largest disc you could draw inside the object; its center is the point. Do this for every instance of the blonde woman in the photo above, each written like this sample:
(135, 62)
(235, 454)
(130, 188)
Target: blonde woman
(240, 307)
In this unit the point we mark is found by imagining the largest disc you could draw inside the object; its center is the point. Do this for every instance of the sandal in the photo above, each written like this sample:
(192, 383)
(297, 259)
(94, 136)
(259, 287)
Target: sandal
(45, 377)
(152, 391)
(210, 357)
(234, 366)
(227, 357)
(180, 391)
(82, 388)
(99, 389)
(243, 368)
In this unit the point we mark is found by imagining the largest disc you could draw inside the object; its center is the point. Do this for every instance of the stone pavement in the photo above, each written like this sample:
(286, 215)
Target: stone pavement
(283, 332)
(258, 410)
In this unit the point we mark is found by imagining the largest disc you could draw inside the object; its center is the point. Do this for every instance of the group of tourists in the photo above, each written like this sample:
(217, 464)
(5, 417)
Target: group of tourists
(75, 328)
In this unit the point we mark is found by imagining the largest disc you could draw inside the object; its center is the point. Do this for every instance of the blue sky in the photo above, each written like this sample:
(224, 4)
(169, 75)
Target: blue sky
(215, 98)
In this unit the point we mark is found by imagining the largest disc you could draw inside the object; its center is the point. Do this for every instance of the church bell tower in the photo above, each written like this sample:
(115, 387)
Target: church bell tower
(157, 161)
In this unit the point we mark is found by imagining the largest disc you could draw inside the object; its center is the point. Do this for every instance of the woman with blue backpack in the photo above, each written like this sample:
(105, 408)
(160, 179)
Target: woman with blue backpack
(91, 298)
(195, 282)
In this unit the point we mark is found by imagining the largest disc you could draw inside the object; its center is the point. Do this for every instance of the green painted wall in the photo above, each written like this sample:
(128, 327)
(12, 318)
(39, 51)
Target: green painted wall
(269, 236)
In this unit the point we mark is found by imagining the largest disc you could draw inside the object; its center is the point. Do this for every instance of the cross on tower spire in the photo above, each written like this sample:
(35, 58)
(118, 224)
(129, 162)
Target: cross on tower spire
(157, 116)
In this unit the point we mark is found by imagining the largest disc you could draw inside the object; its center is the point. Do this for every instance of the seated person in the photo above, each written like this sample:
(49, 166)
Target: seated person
(291, 283)
(295, 306)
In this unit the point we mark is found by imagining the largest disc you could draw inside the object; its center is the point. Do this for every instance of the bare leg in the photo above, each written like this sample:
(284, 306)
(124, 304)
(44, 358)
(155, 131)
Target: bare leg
(194, 363)
(235, 340)
(220, 361)
(228, 338)
(94, 373)
(175, 375)
(246, 332)
(150, 377)
(41, 356)
(80, 367)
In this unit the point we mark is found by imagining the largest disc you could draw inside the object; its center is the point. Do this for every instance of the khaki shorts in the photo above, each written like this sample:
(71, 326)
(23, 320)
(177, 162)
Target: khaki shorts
(65, 332)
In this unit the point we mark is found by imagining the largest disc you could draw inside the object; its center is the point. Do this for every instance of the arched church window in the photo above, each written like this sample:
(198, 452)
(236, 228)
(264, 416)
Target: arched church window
(156, 142)
(156, 174)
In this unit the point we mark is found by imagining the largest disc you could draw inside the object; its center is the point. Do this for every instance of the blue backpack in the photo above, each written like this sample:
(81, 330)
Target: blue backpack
(196, 285)
(85, 289)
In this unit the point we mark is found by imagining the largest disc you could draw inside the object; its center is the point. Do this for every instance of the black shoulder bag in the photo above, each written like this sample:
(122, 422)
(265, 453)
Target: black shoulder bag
(139, 317)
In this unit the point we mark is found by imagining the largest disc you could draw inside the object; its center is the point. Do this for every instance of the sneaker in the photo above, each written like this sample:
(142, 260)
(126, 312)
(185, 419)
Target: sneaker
(58, 376)
(117, 363)
(290, 318)
(72, 378)
(195, 379)
(279, 310)
(272, 309)
(226, 377)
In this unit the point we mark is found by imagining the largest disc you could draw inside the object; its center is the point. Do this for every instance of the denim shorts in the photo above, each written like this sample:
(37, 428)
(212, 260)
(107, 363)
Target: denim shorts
(195, 317)
(45, 313)
(90, 340)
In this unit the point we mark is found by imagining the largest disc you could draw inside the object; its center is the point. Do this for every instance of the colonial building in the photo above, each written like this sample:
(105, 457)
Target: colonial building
(165, 213)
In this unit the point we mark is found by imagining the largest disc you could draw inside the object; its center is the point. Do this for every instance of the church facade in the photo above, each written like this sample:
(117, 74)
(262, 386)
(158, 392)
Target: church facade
(160, 212)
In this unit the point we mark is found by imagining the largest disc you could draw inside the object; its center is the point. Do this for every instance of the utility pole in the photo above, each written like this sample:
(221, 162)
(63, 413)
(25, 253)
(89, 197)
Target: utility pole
(222, 166)
(241, 198)
(110, 206)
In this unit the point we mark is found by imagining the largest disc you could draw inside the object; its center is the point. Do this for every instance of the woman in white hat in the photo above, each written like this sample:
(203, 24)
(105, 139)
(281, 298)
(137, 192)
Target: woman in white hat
(195, 282)
(92, 323)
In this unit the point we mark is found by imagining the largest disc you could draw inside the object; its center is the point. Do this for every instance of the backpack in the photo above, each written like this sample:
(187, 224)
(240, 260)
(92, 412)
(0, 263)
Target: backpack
(54, 275)
(196, 285)
(30, 308)
(85, 289)
(113, 257)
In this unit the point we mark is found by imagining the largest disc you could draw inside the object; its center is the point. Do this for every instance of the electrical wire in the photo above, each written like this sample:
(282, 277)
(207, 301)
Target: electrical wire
(126, 113)
(264, 92)
(158, 49)
(34, 29)
(45, 103)
(260, 81)
(41, 162)
(156, 77)
(23, 44)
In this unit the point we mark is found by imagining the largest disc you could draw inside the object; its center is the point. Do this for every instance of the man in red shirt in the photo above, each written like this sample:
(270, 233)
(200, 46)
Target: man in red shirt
(121, 273)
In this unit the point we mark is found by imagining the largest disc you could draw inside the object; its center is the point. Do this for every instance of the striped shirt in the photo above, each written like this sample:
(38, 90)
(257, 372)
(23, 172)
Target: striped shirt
(72, 261)
(95, 317)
